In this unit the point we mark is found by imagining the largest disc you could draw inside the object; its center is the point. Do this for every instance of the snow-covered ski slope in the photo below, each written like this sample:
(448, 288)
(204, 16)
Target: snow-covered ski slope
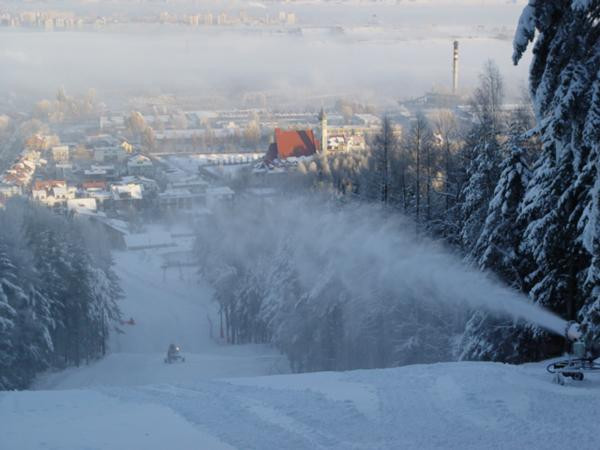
(444, 406)
(167, 307)
(226, 397)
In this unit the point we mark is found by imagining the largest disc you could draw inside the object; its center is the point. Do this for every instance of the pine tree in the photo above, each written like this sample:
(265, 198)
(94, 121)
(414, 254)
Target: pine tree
(481, 177)
(482, 154)
(590, 313)
(497, 248)
(486, 336)
(56, 300)
(558, 205)
(7, 321)
(418, 143)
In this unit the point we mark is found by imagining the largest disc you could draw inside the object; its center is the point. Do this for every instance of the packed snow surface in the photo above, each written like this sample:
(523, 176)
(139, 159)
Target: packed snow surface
(225, 397)
(455, 405)
(167, 306)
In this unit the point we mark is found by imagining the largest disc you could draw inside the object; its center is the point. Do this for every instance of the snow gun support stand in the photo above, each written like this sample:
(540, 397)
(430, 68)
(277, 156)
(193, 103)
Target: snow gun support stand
(580, 361)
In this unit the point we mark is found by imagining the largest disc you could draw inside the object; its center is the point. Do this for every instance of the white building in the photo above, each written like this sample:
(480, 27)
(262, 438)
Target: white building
(60, 153)
(53, 192)
(129, 191)
(9, 190)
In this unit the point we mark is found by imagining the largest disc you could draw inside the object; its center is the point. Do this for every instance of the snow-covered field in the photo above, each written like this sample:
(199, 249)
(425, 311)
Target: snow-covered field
(230, 397)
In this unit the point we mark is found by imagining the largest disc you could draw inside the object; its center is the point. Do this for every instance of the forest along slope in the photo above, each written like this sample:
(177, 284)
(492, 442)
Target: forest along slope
(167, 306)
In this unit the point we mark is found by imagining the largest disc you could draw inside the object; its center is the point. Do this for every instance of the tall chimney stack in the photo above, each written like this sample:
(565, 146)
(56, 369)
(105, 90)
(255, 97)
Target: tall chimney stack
(455, 69)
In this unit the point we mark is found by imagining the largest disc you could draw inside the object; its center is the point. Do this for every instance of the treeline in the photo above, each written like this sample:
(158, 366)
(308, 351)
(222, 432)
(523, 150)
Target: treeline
(332, 286)
(462, 183)
(516, 193)
(58, 293)
(516, 196)
(65, 108)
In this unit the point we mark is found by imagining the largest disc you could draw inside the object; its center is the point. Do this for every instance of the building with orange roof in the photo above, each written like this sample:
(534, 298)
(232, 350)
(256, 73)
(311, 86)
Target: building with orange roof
(292, 143)
(48, 184)
(94, 185)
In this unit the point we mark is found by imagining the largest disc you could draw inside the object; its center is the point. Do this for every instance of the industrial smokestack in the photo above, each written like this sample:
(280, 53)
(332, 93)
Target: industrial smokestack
(455, 69)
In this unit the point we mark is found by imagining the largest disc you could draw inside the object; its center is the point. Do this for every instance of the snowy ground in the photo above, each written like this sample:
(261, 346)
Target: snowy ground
(457, 406)
(222, 398)
(167, 307)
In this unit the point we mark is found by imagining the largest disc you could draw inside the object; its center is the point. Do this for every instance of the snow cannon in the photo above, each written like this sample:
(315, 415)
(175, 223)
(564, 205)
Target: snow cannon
(573, 331)
(581, 360)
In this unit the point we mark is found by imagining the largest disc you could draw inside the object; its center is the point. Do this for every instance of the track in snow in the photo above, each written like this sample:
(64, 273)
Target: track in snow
(167, 307)
(439, 406)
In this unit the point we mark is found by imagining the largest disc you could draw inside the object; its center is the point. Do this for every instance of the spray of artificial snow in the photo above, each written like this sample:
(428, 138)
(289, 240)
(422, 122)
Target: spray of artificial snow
(375, 258)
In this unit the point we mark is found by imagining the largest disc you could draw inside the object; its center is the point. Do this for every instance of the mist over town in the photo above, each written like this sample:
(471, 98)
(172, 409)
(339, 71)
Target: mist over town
(345, 224)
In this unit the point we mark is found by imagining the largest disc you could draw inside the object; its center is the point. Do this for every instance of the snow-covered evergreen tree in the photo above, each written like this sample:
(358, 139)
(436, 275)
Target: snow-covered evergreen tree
(482, 156)
(486, 336)
(559, 201)
(7, 320)
(590, 312)
(481, 178)
(497, 248)
(56, 300)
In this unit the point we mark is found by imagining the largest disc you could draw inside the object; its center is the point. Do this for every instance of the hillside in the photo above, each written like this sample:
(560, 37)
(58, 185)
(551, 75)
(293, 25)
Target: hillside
(460, 405)
(132, 400)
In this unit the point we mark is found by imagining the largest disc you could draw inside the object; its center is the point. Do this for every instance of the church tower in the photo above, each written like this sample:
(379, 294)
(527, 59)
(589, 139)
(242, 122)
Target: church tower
(323, 119)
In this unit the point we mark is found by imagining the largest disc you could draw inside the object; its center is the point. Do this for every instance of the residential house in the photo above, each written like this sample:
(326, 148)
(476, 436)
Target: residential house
(97, 190)
(9, 190)
(21, 173)
(60, 153)
(129, 191)
(53, 193)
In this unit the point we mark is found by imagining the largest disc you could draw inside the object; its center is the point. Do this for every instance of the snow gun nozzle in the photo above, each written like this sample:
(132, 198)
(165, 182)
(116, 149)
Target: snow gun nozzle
(573, 331)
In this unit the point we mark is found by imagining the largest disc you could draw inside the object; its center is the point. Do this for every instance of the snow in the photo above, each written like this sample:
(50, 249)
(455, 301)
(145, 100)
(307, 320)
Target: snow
(91, 420)
(82, 205)
(220, 191)
(450, 406)
(167, 305)
(361, 395)
(525, 32)
(134, 191)
(231, 396)
(148, 239)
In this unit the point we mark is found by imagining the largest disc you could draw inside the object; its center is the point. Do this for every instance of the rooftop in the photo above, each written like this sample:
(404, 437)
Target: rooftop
(294, 143)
